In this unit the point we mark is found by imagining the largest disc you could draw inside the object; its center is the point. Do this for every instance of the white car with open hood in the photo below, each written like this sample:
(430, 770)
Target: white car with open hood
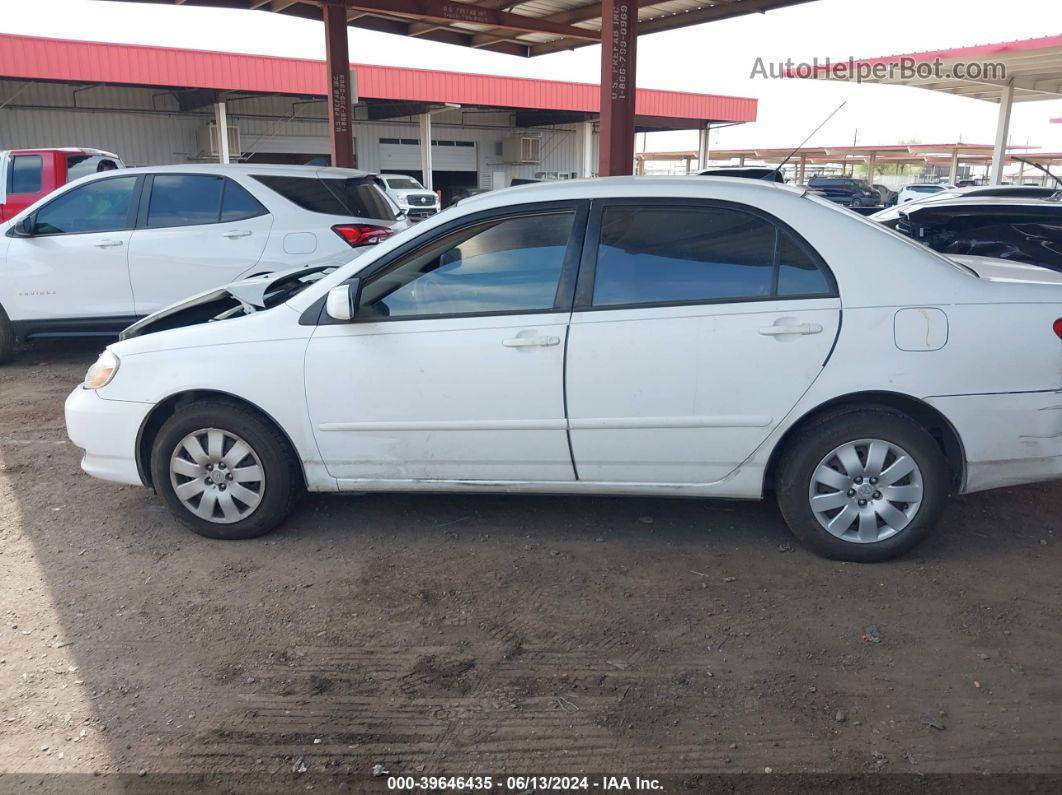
(694, 337)
(113, 247)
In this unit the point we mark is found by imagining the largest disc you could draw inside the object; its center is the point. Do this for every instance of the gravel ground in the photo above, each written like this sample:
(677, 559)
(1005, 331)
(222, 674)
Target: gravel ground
(502, 635)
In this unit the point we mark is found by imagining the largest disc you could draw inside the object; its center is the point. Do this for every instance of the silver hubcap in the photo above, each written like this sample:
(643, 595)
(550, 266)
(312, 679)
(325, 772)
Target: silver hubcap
(866, 491)
(217, 475)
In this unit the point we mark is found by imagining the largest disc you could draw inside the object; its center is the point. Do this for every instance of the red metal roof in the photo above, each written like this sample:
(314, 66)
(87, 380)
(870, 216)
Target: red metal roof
(37, 58)
(967, 53)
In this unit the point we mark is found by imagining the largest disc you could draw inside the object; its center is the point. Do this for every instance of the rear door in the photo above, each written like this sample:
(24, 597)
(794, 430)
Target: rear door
(697, 328)
(195, 232)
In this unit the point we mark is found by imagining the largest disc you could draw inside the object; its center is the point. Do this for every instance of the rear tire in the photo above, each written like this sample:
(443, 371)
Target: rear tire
(865, 511)
(7, 338)
(225, 471)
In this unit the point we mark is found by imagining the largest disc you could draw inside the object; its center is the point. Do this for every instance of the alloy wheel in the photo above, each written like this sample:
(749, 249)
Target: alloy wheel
(866, 491)
(217, 475)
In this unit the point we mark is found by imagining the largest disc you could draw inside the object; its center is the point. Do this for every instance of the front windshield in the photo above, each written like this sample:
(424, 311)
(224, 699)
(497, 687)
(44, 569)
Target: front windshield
(404, 183)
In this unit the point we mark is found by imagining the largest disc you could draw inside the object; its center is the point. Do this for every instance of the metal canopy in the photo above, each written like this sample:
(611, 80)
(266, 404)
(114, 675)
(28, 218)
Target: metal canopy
(1033, 67)
(1028, 70)
(516, 27)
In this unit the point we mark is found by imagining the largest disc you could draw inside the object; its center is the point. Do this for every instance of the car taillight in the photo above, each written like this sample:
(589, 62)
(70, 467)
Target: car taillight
(362, 234)
(1058, 328)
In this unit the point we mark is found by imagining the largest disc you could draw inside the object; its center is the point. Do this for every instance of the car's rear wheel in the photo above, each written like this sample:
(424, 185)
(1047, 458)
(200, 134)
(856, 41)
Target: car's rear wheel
(7, 338)
(862, 485)
(225, 471)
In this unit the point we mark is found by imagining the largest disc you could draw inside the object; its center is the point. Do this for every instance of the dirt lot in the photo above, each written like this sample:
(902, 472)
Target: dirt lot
(468, 634)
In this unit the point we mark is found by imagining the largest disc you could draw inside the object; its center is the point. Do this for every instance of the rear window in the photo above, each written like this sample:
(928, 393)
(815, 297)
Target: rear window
(78, 166)
(924, 188)
(354, 196)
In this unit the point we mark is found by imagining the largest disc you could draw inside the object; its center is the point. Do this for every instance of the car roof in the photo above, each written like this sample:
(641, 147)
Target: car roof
(323, 172)
(693, 186)
(71, 150)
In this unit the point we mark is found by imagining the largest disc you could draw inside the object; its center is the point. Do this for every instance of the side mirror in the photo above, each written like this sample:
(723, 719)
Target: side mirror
(342, 301)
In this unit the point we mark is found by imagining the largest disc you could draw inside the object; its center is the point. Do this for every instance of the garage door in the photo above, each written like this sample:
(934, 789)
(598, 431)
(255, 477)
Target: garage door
(403, 154)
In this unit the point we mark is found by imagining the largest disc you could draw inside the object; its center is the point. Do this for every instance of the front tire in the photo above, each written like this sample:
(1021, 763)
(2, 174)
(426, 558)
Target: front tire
(7, 338)
(862, 485)
(224, 471)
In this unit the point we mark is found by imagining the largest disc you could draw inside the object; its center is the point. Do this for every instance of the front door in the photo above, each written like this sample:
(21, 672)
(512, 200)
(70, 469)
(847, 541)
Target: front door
(75, 266)
(697, 329)
(453, 367)
(200, 231)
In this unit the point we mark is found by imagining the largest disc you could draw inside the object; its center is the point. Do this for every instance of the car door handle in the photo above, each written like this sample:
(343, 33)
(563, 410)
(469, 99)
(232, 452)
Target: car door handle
(234, 233)
(108, 243)
(799, 328)
(531, 342)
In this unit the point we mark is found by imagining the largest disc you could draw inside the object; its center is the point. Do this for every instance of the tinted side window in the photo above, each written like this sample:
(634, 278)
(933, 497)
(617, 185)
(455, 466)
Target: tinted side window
(183, 199)
(309, 193)
(798, 273)
(101, 206)
(661, 255)
(237, 204)
(682, 254)
(512, 265)
(25, 174)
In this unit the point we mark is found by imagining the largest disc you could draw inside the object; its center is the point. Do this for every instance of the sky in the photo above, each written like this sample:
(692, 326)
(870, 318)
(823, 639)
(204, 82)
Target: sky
(716, 58)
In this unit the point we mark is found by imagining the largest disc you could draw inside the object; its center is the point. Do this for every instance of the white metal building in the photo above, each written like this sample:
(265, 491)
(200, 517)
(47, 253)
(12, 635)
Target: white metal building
(154, 105)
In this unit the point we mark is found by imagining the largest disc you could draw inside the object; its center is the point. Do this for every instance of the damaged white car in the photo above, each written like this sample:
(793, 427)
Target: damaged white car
(693, 337)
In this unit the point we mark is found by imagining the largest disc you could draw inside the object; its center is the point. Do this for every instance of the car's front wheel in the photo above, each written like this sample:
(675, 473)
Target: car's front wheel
(862, 485)
(225, 471)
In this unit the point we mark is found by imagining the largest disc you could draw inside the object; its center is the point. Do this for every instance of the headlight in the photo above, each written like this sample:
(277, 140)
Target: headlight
(101, 373)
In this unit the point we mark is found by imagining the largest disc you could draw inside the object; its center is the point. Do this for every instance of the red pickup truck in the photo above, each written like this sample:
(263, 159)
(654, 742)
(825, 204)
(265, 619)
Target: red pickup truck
(28, 174)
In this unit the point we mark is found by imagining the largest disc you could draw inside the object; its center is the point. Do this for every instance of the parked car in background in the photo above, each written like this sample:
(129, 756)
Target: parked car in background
(920, 190)
(1021, 230)
(26, 175)
(846, 191)
(466, 193)
(411, 197)
(672, 337)
(746, 172)
(887, 195)
(101, 252)
(891, 215)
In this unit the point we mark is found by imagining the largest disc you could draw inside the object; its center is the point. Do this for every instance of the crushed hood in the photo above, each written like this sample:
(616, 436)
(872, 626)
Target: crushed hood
(248, 292)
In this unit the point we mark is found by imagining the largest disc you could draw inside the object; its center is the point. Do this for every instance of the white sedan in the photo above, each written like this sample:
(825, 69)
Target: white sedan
(697, 337)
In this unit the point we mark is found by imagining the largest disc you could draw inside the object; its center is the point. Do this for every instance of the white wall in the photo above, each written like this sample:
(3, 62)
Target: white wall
(145, 127)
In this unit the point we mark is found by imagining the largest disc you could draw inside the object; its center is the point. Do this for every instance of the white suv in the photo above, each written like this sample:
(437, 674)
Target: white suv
(920, 190)
(413, 198)
(110, 248)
